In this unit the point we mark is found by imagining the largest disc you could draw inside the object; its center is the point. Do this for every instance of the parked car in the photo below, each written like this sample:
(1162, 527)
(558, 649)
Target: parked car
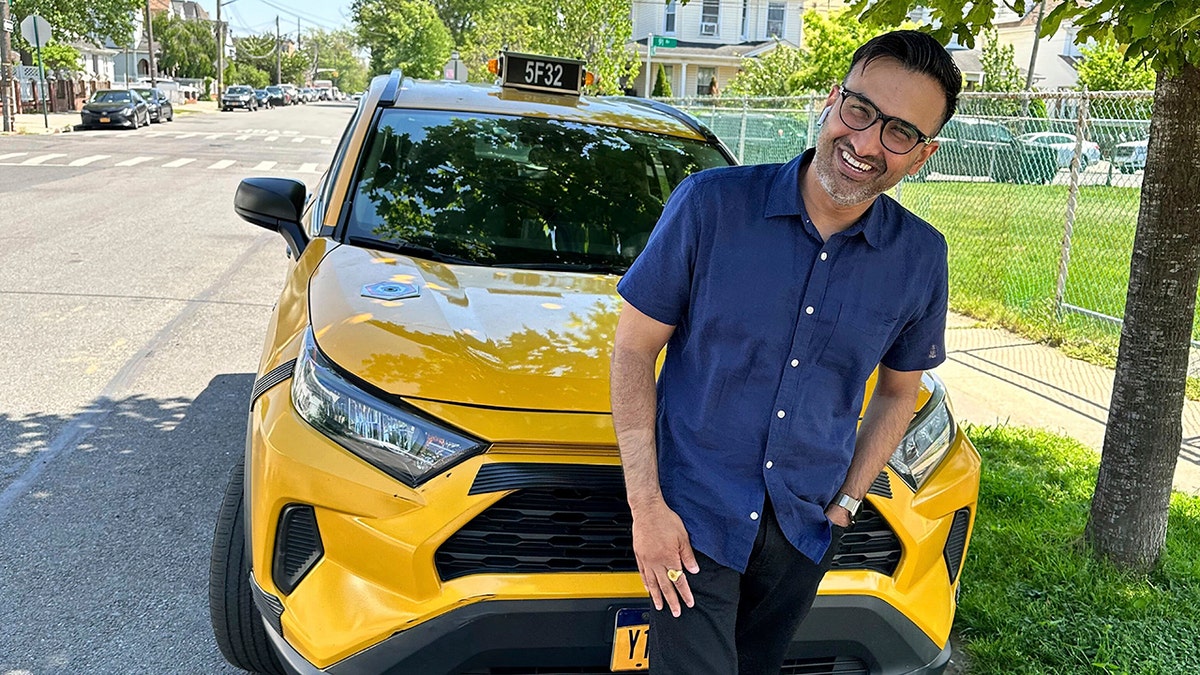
(293, 92)
(264, 98)
(310, 95)
(115, 107)
(1064, 147)
(431, 482)
(279, 96)
(972, 146)
(159, 104)
(239, 96)
(1131, 156)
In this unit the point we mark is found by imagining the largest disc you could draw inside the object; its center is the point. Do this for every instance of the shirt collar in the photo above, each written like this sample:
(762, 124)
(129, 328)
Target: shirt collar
(784, 200)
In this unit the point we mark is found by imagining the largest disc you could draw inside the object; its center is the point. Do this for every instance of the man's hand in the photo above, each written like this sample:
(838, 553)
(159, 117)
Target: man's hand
(661, 544)
(838, 515)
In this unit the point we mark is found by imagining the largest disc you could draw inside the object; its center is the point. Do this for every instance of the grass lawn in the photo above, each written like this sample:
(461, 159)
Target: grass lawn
(1005, 242)
(1034, 602)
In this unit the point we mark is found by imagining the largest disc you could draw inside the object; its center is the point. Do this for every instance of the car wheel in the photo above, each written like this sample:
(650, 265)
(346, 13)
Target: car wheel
(236, 621)
(135, 124)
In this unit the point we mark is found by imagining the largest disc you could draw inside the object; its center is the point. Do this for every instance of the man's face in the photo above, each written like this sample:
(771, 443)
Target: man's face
(853, 166)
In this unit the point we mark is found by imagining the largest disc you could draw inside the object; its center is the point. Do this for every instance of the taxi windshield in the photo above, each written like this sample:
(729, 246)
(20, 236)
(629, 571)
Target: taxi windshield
(517, 191)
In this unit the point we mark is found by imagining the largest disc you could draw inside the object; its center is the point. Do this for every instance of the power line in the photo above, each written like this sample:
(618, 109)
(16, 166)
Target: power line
(322, 22)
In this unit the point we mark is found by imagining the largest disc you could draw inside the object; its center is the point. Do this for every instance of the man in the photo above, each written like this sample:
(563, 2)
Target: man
(777, 289)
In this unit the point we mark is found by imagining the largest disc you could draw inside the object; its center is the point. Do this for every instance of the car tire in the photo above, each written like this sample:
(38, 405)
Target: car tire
(236, 621)
(135, 124)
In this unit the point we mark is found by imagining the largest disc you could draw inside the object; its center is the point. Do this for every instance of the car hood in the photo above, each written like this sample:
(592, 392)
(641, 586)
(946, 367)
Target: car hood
(105, 106)
(485, 336)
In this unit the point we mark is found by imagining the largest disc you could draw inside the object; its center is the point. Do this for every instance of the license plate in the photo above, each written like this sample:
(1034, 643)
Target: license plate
(105, 119)
(631, 640)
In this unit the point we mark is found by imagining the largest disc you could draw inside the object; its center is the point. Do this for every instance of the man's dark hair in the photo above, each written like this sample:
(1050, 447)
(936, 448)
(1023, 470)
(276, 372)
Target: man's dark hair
(919, 53)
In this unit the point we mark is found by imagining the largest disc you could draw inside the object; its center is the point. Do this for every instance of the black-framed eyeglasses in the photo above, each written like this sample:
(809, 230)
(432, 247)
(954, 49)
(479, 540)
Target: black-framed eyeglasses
(858, 113)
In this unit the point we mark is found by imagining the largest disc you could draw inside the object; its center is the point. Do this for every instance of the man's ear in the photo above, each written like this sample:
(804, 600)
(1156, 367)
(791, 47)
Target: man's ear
(923, 156)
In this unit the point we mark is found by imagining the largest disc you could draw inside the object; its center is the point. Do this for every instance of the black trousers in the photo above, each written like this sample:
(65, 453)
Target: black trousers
(741, 623)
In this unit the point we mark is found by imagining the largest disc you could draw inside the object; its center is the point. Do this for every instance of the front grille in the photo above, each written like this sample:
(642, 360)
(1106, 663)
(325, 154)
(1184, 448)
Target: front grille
(956, 542)
(840, 665)
(587, 529)
(297, 546)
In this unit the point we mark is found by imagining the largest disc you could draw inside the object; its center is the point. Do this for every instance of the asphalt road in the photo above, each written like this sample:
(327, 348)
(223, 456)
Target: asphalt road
(132, 309)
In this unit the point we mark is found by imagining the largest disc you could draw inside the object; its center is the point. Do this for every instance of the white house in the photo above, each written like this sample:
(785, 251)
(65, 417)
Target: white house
(1057, 54)
(712, 37)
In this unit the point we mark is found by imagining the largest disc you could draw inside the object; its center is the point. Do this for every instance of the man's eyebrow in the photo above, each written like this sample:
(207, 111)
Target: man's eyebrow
(868, 100)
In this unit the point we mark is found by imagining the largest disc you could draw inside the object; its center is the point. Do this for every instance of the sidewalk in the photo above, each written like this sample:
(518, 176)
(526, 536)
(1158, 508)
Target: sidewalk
(33, 123)
(997, 377)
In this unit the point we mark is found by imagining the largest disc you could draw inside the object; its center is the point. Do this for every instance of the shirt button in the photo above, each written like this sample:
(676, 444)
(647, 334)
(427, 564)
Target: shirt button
(795, 362)
(824, 255)
(754, 515)
(780, 414)
(770, 464)
(808, 310)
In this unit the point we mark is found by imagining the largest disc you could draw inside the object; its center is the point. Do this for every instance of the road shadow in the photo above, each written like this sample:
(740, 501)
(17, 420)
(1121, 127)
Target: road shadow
(105, 563)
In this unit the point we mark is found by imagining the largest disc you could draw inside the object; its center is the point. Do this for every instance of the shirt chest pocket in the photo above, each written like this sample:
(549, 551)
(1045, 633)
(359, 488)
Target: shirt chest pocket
(858, 337)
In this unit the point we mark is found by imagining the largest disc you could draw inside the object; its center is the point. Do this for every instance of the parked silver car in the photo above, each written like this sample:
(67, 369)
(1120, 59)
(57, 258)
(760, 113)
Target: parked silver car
(1064, 147)
(1131, 156)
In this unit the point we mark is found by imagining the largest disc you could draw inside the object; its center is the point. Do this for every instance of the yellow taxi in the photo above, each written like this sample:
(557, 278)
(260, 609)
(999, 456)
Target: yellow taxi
(431, 481)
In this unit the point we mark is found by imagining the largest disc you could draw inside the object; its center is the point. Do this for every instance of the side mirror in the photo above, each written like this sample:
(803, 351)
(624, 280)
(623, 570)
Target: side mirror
(276, 204)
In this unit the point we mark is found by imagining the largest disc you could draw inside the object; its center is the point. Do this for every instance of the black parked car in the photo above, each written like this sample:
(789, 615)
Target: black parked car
(264, 98)
(278, 96)
(116, 107)
(972, 146)
(159, 104)
(239, 96)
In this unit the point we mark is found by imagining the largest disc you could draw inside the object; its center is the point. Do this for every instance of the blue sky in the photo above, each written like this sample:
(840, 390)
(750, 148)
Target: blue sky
(258, 16)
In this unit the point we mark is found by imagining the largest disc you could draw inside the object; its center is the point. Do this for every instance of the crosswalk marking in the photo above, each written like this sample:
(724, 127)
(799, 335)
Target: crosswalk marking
(298, 139)
(265, 166)
(222, 164)
(242, 137)
(187, 135)
(10, 155)
(135, 161)
(213, 136)
(84, 161)
(271, 138)
(309, 168)
(326, 141)
(33, 161)
(175, 164)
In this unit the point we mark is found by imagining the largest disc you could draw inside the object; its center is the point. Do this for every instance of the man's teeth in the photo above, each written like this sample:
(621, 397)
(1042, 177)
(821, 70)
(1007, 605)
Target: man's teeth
(855, 163)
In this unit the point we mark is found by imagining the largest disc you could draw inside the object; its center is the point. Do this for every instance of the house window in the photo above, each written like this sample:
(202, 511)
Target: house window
(775, 13)
(669, 21)
(745, 19)
(710, 16)
(704, 80)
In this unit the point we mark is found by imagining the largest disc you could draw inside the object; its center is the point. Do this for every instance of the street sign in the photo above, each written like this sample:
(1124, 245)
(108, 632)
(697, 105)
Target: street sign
(665, 42)
(8, 25)
(36, 30)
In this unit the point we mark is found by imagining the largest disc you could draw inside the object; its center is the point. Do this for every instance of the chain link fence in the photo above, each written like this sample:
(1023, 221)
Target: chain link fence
(1037, 194)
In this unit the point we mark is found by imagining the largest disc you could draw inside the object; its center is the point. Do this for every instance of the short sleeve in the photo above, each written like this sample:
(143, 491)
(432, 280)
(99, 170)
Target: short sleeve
(659, 282)
(921, 344)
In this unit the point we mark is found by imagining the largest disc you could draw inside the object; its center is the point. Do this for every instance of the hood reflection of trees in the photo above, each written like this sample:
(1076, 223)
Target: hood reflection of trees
(555, 191)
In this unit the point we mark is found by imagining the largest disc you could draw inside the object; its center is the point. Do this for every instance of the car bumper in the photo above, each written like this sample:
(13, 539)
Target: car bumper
(236, 104)
(847, 634)
(114, 120)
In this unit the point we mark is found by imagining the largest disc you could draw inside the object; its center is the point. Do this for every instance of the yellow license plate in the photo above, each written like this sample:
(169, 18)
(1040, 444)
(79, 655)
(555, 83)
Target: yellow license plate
(631, 640)
(105, 119)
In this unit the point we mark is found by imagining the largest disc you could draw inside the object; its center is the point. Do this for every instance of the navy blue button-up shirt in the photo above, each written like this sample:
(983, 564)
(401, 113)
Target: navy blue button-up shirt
(776, 333)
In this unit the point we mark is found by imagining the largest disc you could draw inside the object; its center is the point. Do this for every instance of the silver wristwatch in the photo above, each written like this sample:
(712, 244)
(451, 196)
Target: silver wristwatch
(849, 503)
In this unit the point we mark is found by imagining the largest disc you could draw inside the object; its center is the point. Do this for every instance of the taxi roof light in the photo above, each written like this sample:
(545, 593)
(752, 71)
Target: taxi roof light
(535, 72)
(494, 66)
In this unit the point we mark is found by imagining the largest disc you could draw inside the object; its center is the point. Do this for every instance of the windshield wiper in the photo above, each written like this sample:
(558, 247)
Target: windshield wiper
(408, 248)
(604, 268)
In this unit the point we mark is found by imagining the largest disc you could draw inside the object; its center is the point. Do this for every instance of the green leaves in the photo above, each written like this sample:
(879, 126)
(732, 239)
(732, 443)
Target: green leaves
(73, 20)
(188, 48)
(405, 34)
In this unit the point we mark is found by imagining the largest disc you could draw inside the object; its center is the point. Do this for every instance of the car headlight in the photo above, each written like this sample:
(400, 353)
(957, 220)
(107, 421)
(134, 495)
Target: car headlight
(927, 440)
(129, 111)
(404, 445)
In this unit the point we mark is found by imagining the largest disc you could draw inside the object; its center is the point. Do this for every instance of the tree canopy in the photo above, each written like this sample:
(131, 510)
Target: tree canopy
(188, 48)
(73, 20)
(1105, 68)
(333, 55)
(405, 34)
(771, 74)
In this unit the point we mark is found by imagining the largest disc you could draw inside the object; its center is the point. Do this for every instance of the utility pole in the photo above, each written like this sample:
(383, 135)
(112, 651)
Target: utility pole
(150, 34)
(278, 49)
(1037, 38)
(6, 112)
(220, 50)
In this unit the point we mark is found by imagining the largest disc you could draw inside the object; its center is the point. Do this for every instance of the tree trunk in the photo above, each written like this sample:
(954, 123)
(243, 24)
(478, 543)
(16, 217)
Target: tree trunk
(1128, 520)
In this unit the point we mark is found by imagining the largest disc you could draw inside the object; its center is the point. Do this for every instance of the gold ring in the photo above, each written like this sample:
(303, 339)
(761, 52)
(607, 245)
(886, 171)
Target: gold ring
(674, 575)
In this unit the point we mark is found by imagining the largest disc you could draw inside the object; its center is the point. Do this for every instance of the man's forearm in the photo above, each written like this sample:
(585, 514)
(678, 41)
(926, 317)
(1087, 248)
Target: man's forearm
(884, 424)
(634, 408)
